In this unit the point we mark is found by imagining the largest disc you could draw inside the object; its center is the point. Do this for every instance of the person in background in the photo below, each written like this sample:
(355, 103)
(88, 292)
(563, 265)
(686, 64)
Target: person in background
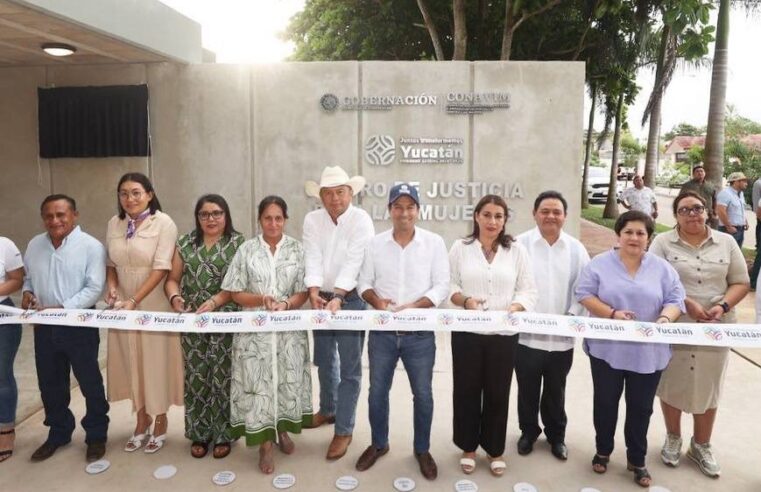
(199, 264)
(489, 270)
(11, 280)
(143, 366)
(544, 361)
(730, 207)
(271, 393)
(699, 185)
(66, 268)
(641, 198)
(628, 283)
(712, 270)
(756, 204)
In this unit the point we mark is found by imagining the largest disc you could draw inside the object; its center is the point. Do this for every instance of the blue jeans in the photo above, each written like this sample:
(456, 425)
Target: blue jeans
(10, 338)
(418, 352)
(757, 262)
(59, 350)
(739, 234)
(338, 357)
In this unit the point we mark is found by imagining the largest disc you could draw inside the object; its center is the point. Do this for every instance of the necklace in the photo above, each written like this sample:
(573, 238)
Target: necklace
(488, 253)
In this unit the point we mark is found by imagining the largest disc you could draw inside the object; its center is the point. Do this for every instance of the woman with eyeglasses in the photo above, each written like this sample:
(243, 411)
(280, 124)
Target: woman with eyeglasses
(713, 271)
(199, 264)
(145, 367)
(271, 390)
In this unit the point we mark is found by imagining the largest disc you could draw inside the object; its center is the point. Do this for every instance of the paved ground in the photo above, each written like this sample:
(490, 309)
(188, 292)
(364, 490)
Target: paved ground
(736, 431)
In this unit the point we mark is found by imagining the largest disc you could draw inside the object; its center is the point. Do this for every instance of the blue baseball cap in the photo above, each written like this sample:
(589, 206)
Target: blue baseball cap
(403, 189)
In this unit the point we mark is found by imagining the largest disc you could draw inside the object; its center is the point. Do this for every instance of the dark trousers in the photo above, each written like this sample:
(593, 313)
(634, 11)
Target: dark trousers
(541, 377)
(739, 234)
(757, 261)
(58, 350)
(482, 370)
(639, 394)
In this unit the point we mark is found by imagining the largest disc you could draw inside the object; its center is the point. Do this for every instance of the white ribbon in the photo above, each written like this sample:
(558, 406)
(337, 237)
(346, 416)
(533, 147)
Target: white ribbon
(715, 335)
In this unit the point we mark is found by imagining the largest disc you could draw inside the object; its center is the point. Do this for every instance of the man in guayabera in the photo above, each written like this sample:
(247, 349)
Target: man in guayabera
(66, 268)
(699, 185)
(335, 237)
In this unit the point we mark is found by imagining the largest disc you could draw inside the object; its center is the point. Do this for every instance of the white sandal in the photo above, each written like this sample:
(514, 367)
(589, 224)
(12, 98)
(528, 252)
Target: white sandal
(155, 444)
(497, 467)
(468, 465)
(136, 441)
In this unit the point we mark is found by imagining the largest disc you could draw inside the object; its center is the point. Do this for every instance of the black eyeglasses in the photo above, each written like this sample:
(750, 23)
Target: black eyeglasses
(696, 210)
(216, 215)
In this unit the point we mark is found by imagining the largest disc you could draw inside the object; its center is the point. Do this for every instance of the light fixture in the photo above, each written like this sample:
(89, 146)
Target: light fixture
(58, 49)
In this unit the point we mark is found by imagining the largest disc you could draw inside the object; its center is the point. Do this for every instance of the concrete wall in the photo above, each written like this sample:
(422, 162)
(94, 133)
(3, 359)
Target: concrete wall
(246, 131)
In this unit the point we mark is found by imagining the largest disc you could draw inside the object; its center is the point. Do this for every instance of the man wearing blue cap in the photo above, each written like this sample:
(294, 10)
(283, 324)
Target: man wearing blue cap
(405, 267)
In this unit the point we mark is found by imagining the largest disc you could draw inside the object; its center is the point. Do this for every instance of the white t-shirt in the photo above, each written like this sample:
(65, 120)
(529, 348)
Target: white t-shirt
(10, 259)
(641, 200)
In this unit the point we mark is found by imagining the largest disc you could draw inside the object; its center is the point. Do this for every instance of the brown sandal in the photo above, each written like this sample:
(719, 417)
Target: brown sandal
(6, 453)
(641, 475)
(199, 449)
(221, 450)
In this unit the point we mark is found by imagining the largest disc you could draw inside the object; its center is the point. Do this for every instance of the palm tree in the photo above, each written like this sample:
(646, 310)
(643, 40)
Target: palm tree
(714, 147)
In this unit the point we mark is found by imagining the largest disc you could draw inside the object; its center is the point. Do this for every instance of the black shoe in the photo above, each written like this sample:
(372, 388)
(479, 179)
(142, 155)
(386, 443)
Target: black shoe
(559, 450)
(45, 451)
(525, 445)
(95, 451)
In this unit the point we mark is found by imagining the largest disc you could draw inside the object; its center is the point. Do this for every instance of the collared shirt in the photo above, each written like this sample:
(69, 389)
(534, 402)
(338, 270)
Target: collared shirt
(703, 189)
(706, 271)
(641, 200)
(556, 271)
(73, 275)
(10, 259)
(655, 285)
(504, 281)
(404, 275)
(333, 252)
(735, 203)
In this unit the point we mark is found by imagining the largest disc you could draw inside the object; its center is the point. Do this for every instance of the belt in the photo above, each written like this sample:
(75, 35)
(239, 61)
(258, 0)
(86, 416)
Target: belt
(330, 295)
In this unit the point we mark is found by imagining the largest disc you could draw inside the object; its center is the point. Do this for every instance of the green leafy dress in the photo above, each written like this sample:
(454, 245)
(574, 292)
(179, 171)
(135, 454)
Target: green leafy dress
(271, 382)
(207, 356)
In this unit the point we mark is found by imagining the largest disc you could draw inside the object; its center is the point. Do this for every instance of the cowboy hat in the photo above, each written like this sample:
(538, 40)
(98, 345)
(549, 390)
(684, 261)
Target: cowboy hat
(332, 177)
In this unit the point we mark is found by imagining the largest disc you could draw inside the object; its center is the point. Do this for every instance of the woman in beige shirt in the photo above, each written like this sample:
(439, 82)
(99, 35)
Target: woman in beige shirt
(715, 276)
(145, 367)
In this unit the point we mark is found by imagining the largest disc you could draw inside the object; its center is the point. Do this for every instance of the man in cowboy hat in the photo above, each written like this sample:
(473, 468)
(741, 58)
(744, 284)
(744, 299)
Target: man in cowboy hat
(335, 238)
(730, 207)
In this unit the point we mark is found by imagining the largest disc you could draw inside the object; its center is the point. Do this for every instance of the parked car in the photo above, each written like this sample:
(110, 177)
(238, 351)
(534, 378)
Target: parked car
(597, 185)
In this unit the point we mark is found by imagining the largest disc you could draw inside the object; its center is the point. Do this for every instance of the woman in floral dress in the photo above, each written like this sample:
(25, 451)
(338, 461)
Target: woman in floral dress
(199, 264)
(271, 392)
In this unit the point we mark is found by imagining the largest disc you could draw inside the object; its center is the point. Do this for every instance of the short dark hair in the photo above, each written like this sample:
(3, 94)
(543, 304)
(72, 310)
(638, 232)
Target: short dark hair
(55, 198)
(217, 200)
(143, 180)
(272, 200)
(634, 216)
(550, 195)
(684, 194)
(699, 166)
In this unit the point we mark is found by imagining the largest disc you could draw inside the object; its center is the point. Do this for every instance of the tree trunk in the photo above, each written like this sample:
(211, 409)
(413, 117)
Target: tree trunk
(653, 134)
(507, 31)
(432, 31)
(460, 30)
(714, 147)
(611, 205)
(588, 150)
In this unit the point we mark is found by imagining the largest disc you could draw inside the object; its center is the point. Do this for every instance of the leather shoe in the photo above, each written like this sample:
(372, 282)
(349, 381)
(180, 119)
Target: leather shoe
(559, 450)
(338, 447)
(525, 445)
(95, 451)
(369, 457)
(319, 419)
(427, 466)
(45, 451)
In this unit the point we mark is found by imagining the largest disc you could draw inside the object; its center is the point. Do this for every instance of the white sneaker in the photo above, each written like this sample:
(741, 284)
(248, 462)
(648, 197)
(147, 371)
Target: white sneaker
(703, 456)
(672, 450)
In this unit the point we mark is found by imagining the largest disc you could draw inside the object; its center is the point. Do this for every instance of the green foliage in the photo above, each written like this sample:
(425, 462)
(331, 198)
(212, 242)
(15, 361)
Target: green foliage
(684, 129)
(593, 213)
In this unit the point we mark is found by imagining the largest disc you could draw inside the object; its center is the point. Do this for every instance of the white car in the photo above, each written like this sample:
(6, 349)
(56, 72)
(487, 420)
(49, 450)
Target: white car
(597, 185)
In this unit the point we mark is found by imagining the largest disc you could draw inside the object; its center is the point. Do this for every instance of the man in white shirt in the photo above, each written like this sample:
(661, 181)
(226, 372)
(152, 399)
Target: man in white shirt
(335, 238)
(405, 267)
(543, 361)
(640, 198)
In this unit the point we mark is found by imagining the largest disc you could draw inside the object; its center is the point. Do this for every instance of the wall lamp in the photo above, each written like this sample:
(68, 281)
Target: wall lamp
(58, 49)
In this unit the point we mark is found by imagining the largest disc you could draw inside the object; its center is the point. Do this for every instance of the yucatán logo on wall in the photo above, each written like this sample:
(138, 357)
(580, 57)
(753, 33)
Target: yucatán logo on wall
(380, 150)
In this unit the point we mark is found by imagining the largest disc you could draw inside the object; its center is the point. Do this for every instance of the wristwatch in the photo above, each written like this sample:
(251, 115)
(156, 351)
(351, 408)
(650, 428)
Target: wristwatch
(725, 306)
(340, 297)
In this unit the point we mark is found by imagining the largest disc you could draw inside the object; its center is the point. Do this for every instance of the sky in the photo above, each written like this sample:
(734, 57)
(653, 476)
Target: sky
(247, 31)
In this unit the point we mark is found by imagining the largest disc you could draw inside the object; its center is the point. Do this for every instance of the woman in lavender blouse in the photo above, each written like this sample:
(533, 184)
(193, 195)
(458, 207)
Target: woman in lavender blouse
(628, 283)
